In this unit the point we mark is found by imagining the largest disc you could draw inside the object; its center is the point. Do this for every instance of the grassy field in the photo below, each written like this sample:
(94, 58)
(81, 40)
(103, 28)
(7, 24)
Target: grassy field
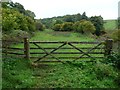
(94, 74)
(49, 35)
(110, 25)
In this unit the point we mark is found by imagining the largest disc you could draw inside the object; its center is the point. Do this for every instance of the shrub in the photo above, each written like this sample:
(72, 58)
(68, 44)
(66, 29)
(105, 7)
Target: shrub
(104, 70)
(117, 80)
(116, 35)
(114, 60)
(57, 27)
(77, 27)
(67, 26)
(40, 26)
(98, 23)
(84, 26)
(16, 35)
(87, 26)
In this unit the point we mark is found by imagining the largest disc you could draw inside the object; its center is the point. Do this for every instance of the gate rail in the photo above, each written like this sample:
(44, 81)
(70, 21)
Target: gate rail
(25, 51)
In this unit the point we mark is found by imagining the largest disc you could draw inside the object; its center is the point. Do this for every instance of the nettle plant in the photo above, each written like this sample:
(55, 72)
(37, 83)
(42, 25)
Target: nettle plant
(114, 60)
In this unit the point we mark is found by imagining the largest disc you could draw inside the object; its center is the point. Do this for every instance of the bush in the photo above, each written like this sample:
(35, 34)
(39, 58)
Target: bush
(40, 26)
(104, 70)
(114, 60)
(116, 35)
(67, 26)
(77, 27)
(16, 35)
(117, 80)
(57, 27)
(84, 26)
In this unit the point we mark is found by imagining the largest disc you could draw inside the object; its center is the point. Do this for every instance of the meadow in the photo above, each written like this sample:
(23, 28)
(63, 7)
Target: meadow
(110, 25)
(95, 74)
(50, 35)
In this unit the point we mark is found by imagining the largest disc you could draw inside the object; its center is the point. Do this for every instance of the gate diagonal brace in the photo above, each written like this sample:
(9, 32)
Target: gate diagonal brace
(45, 51)
(88, 52)
(79, 50)
(50, 52)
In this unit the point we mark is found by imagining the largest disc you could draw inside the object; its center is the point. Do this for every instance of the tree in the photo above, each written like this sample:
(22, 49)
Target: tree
(83, 16)
(20, 8)
(68, 18)
(8, 4)
(67, 26)
(30, 14)
(57, 27)
(13, 20)
(9, 20)
(58, 21)
(84, 26)
(39, 25)
(78, 17)
(98, 23)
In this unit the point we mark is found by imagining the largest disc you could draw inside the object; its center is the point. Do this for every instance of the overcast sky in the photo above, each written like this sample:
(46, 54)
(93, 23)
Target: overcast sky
(108, 9)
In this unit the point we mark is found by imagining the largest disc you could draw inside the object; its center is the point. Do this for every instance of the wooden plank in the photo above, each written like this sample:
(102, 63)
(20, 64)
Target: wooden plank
(79, 49)
(67, 53)
(45, 51)
(46, 42)
(89, 51)
(63, 57)
(12, 48)
(13, 53)
(12, 41)
(20, 56)
(50, 52)
(56, 42)
(69, 48)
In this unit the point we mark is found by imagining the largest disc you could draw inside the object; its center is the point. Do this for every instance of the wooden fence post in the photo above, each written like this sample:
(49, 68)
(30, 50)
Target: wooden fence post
(26, 48)
(108, 46)
(118, 47)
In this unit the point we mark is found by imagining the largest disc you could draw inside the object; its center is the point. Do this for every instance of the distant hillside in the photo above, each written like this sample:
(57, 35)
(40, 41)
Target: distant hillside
(110, 24)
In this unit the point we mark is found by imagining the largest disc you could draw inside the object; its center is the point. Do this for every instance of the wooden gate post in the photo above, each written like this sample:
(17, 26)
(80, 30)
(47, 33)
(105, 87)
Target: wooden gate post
(26, 48)
(108, 46)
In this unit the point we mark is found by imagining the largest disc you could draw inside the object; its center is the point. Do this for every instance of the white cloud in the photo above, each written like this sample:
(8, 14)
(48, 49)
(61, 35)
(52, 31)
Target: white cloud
(49, 8)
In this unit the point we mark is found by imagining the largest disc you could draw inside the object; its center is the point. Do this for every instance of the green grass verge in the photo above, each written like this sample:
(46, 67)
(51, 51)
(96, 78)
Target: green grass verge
(16, 73)
(76, 75)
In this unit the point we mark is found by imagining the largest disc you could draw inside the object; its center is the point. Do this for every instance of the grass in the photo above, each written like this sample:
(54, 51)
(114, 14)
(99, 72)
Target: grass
(18, 74)
(110, 25)
(76, 75)
(50, 35)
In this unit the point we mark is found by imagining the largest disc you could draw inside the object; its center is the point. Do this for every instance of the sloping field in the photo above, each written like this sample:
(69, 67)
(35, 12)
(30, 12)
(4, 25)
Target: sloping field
(110, 24)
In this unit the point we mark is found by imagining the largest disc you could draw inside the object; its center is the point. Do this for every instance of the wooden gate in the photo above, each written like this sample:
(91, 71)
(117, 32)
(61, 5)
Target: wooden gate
(40, 51)
(71, 50)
